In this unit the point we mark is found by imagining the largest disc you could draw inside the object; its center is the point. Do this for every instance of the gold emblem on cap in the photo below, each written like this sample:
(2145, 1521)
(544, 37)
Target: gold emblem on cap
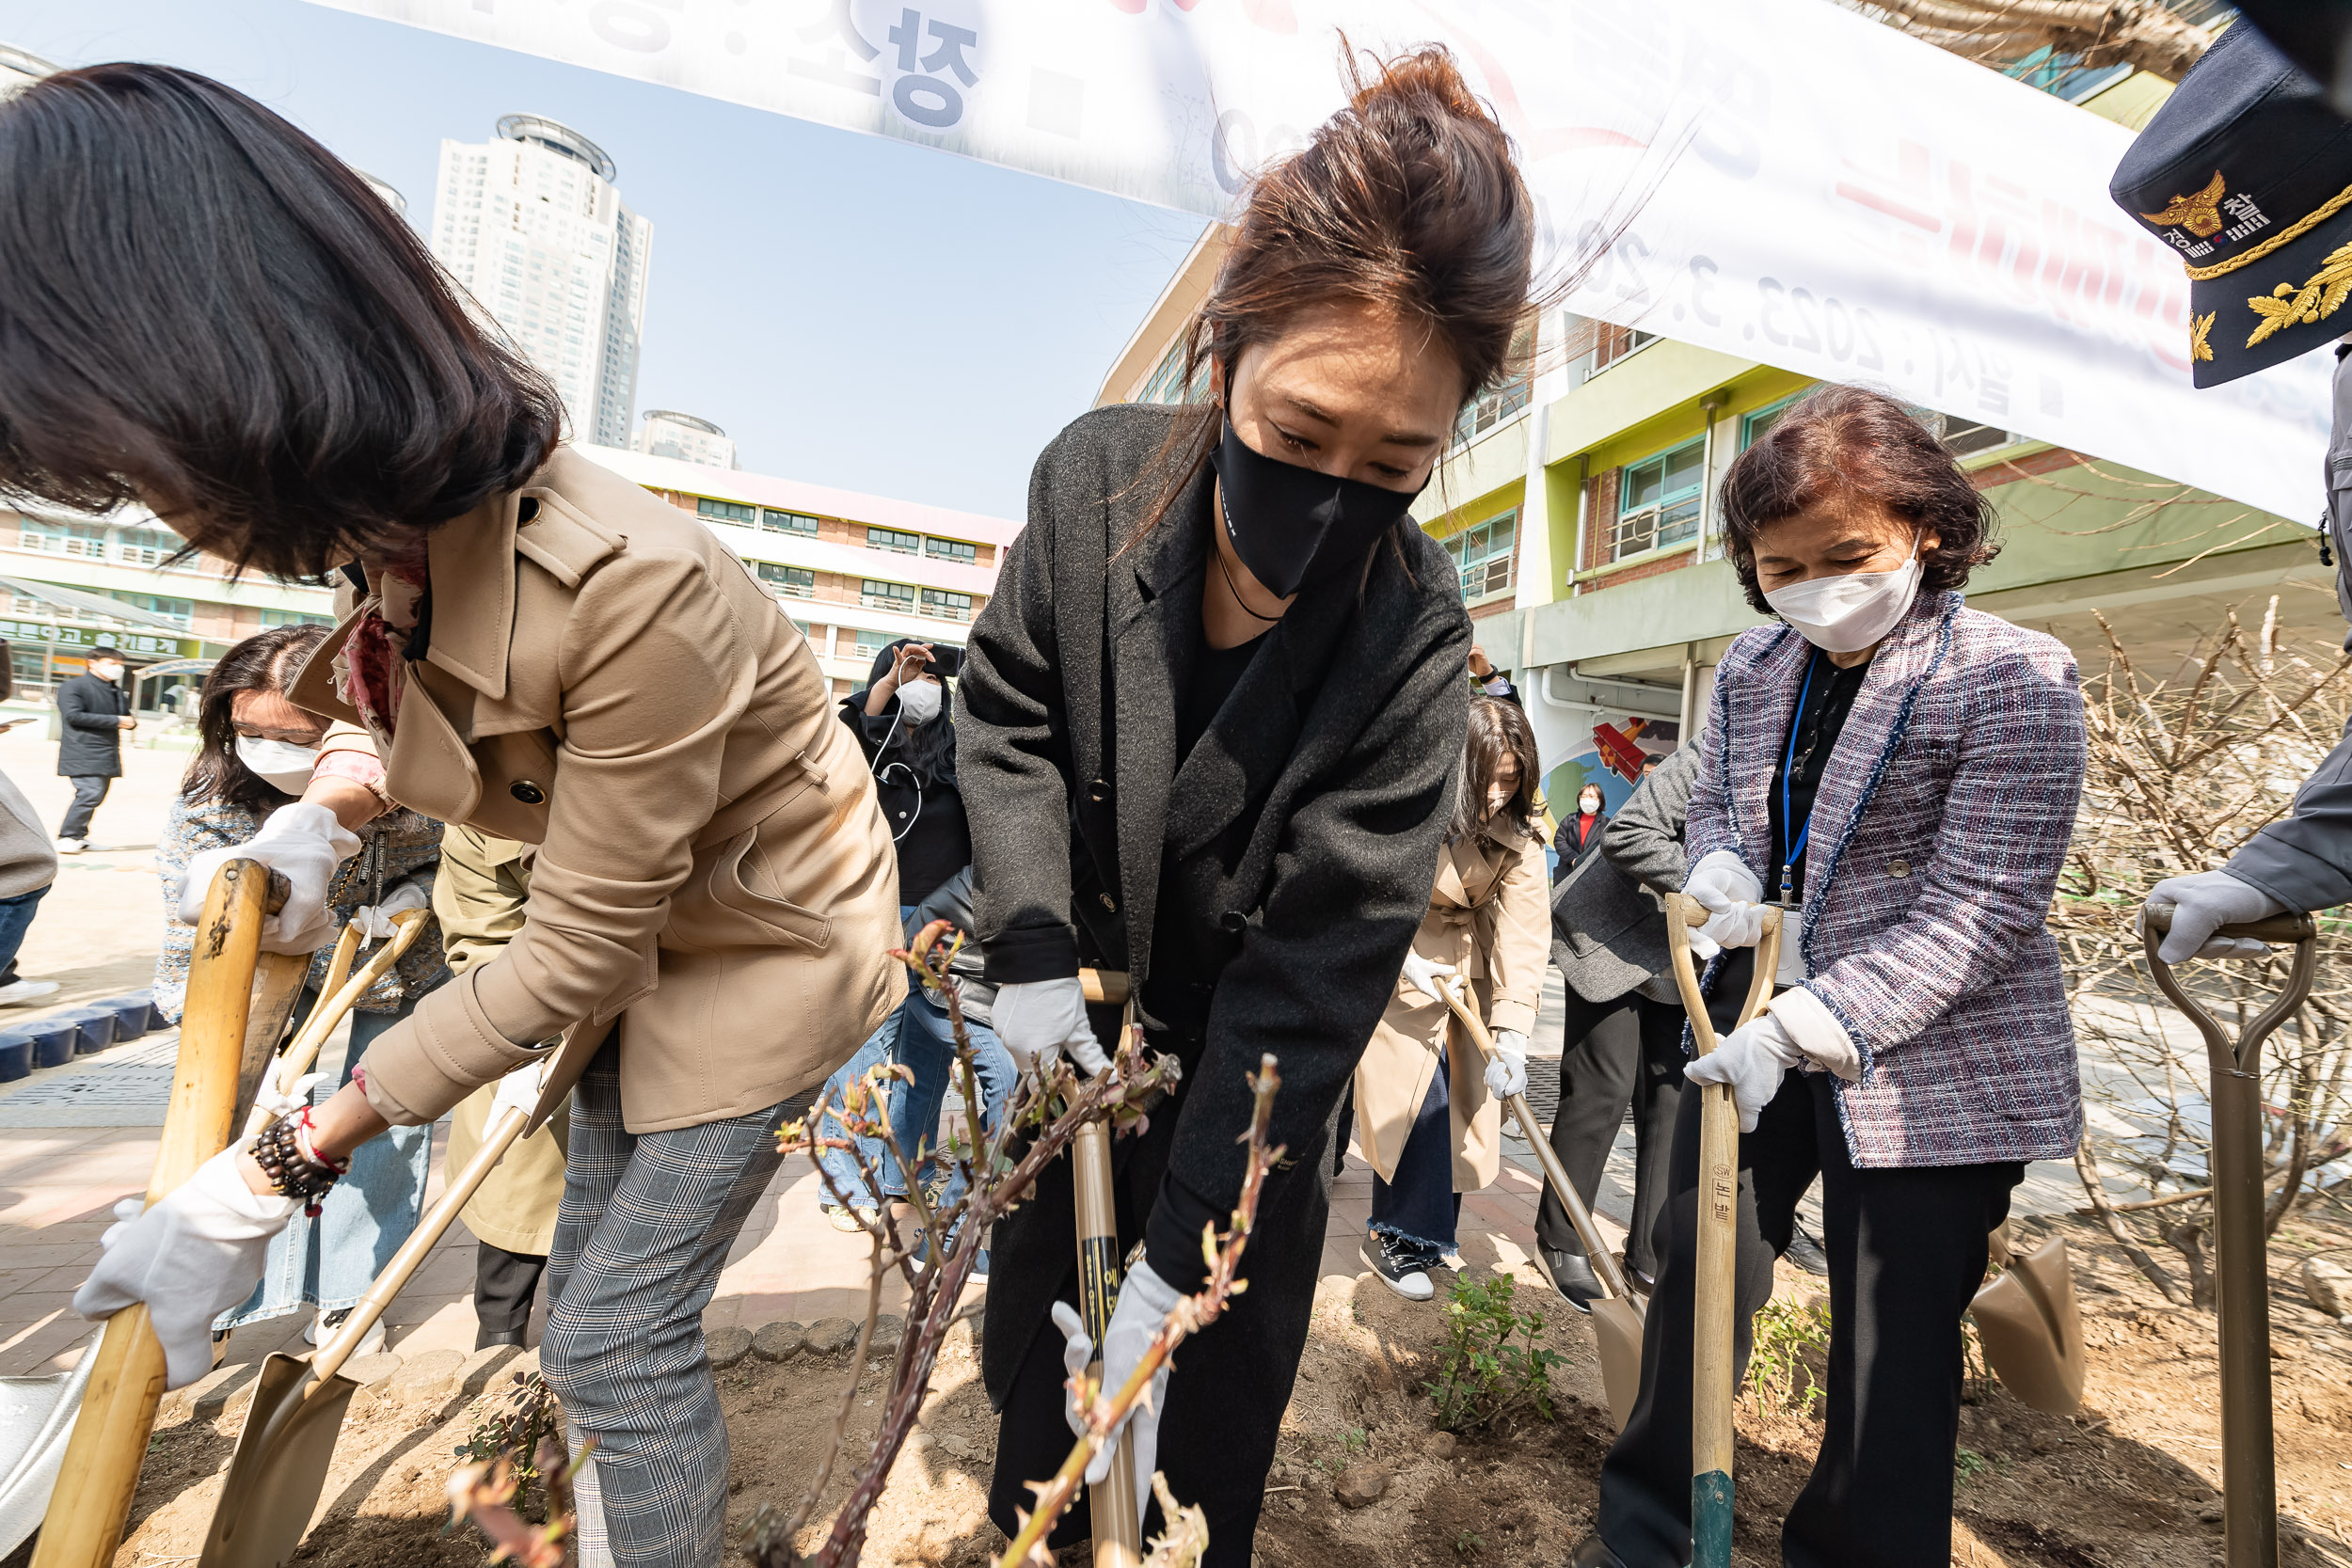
(2198, 327)
(2289, 306)
(2201, 215)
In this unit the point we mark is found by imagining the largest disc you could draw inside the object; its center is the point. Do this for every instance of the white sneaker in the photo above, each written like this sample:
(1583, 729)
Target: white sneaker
(71, 846)
(326, 1324)
(17, 992)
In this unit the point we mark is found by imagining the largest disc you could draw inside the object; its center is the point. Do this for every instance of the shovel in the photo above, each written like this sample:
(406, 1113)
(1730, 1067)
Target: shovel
(1714, 1312)
(2250, 1487)
(279, 1465)
(2032, 1330)
(1618, 1316)
(100, 1471)
(1111, 1506)
(337, 1001)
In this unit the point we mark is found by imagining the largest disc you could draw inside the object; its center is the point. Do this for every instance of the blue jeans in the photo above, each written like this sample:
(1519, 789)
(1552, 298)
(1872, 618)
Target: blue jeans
(1421, 1208)
(927, 1047)
(840, 1163)
(16, 918)
(331, 1260)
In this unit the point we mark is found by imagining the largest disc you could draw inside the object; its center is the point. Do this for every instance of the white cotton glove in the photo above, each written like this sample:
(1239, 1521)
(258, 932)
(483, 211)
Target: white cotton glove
(2202, 903)
(1506, 1069)
(190, 1257)
(1752, 1059)
(1723, 884)
(519, 1089)
(1421, 973)
(268, 1099)
(376, 920)
(1144, 1302)
(302, 843)
(1037, 1018)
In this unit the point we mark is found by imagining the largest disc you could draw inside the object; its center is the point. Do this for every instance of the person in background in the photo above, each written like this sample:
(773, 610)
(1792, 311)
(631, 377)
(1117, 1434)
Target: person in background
(479, 898)
(904, 722)
(1485, 678)
(1900, 774)
(94, 712)
(1621, 1044)
(28, 868)
(927, 1044)
(1580, 834)
(1426, 1116)
(256, 753)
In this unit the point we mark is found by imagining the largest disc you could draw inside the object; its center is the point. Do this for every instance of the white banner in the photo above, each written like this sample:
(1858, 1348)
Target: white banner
(1808, 188)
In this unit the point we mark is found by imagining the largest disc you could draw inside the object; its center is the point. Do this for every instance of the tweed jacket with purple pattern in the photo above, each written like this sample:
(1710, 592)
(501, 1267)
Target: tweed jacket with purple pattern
(1940, 826)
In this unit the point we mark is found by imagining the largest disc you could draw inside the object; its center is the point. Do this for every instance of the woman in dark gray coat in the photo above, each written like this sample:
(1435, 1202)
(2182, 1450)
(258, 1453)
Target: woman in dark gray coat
(1212, 722)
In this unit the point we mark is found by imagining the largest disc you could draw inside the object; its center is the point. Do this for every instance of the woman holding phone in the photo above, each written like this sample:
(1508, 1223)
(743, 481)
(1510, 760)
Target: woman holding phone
(1213, 724)
(531, 645)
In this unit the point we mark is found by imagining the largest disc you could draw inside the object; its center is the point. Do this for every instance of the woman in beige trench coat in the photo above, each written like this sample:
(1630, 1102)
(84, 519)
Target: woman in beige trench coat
(1426, 1105)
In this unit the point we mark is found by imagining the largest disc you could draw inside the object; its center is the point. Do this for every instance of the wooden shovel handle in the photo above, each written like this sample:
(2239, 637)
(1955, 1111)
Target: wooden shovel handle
(101, 1473)
(407, 926)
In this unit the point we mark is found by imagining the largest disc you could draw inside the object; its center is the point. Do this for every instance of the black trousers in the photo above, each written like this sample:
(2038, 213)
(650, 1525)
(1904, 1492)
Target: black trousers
(504, 1285)
(1620, 1052)
(1223, 1408)
(1906, 1252)
(89, 790)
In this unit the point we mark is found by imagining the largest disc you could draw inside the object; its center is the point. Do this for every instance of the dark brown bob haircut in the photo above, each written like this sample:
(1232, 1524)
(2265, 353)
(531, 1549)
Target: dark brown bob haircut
(1497, 729)
(1855, 443)
(1410, 198)
(204, 309)
(265, 661)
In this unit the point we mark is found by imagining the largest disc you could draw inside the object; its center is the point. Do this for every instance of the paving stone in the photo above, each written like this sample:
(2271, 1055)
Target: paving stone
(366, 1369)
(831, 1335)
(429, 1373)
(779, 1341)
(726, 1346)
(220, 1386)
(888, 1331)
(487, 1368)
(1360, 1485)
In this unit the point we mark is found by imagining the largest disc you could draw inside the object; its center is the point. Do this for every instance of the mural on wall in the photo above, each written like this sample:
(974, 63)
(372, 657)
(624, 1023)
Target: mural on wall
(1610, 755)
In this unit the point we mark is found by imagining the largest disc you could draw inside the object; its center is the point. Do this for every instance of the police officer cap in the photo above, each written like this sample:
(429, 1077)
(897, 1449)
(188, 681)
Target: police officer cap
(2246, 173)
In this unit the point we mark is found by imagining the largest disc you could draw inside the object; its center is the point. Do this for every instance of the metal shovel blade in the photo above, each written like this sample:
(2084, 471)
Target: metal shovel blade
(36, 1422)
(2032, 1331)
(279, 1471)
(1617, 1331)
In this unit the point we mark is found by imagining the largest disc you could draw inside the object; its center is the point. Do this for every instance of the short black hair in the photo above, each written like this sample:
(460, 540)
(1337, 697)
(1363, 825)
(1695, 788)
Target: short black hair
(1861, 443)
(204, 309)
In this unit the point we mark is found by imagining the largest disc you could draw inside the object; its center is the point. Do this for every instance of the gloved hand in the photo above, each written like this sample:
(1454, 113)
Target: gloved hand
(2202, 903)
(1037, 1018)
(1506, 1069)
(1723, 884)
(519, 1089)
(190, 1257)
(1421, 973)
(1144, 1302)
(376, 920)
(1752, 1059)
(302, 843)
(268, 1099)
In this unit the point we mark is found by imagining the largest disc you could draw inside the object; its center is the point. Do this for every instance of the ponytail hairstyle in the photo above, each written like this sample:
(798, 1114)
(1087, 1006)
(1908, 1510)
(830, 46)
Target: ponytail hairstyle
(1410, 198)
(1497, 729)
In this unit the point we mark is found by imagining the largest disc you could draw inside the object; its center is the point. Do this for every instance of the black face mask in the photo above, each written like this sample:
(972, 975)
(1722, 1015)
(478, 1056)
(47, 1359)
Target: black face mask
(1293, 526)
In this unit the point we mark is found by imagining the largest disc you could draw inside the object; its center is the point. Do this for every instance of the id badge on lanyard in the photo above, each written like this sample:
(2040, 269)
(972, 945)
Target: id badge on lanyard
(1792, 972)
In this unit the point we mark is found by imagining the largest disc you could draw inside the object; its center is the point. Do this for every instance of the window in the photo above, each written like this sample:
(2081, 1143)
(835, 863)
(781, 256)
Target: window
(270, 617)
(724, 511)
(871, 644)
(950, 549)
(954, 607)
(1658, 500)
(1613, 343)
(84, 539)
(1168, 383)
(1498, 404)
(145, 546)
(892, 540)
(1753, 426)
(803, 627)
(886, 595)
(1483, 555)
(788, 522)
(1965, 436)
(179, 612)
(797, 581)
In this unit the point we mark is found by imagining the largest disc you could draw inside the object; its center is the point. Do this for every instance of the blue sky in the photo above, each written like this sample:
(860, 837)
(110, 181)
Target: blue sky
(855, 311)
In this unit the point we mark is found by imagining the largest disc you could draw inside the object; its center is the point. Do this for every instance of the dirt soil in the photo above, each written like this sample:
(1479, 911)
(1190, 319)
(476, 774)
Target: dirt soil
(2132, 1479)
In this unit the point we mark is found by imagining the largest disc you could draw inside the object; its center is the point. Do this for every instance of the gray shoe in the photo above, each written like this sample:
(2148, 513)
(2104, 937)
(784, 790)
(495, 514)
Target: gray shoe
(1399, 1269)
(1806, 1252)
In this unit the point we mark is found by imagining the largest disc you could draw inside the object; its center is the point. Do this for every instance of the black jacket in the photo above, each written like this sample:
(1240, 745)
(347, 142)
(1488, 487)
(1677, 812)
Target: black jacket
(90, 744)
(920, 803)
(1608, 926)
(1303, 831)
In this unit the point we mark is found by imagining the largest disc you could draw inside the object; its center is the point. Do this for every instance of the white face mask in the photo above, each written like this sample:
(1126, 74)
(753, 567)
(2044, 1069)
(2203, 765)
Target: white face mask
(918, 701)
(278, 762)
(1589, 805)
(1849, 613)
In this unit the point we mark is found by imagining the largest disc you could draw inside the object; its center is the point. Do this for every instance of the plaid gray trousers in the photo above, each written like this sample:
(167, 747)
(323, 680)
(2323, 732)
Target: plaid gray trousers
(644, 1227)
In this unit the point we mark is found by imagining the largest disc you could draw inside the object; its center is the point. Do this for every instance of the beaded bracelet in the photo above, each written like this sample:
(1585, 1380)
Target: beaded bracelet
(294, 1165)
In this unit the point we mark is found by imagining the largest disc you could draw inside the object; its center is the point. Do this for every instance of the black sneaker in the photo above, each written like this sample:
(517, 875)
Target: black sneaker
(1572, 1276)
(1400, 1266)
(1806, 1252)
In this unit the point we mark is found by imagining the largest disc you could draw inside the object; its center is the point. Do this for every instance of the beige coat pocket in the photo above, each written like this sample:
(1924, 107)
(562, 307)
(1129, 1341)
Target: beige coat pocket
(719, 908)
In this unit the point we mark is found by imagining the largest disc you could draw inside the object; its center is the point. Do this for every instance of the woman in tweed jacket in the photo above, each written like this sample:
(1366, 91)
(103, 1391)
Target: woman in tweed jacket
(1907, 769)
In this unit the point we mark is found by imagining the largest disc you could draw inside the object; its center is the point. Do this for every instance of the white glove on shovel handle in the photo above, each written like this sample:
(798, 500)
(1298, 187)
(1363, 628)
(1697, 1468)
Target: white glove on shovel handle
(519, 1089)
(304, 844)
(1752, 1059)
(376, 920)
(1039, 1019)
(1144, 1302)
(1422, 974)
(2202, 903)
(1722, 882)
(190, 1257)
(1506, 1071)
